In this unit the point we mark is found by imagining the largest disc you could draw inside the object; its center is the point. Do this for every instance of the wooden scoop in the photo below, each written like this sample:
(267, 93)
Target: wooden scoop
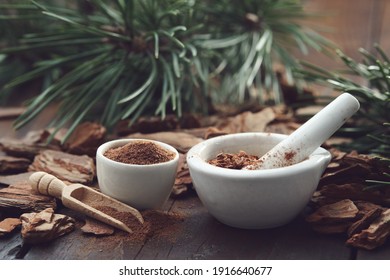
(82, 199)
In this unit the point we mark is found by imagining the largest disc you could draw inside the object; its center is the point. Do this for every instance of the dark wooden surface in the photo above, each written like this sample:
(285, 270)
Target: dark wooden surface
(351, 24)
(199, 236)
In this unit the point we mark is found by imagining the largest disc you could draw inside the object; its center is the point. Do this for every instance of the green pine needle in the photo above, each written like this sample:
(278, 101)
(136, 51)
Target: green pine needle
(372, 135)
(113, 60)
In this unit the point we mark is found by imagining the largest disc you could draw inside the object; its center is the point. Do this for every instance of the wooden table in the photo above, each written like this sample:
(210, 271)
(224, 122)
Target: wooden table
(199, 236)
(355, 24)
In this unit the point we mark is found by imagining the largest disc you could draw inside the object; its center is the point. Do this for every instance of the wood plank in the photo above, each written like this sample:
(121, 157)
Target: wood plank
(203, 237)
(11, 112)
(200, 236)
(384, 38)
(375, 23)
(349, 25)
(74, 246)
(157, 247)
(297, 241)
(381, 253)
(233, 243)
(41, 121)
(191, 233)
(293, 241)
(6, 129)
(11, 245)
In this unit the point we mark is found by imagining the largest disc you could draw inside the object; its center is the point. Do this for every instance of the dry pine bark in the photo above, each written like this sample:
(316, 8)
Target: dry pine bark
(67, 167)
(20, 198)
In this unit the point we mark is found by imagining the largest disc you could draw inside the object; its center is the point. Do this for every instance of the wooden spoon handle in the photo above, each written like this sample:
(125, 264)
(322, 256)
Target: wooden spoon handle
(46, 184)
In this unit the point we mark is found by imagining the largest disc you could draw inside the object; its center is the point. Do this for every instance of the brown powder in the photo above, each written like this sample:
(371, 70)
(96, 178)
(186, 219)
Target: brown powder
(140, 153)
(125, 217)
(289, 155)
(157, 224)
(162, 224)
(234, 161)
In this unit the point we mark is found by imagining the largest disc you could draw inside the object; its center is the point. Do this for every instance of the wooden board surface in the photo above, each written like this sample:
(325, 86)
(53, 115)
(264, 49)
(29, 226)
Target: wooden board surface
(199, 236)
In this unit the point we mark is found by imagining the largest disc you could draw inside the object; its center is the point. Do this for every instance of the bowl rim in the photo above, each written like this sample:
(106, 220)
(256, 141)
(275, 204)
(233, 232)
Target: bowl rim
(121, 142)
(318, 157)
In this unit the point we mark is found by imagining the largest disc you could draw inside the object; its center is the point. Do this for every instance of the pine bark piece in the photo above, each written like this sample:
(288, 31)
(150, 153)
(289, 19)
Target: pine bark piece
(356, 171)
(337, 155)
(354, 157)
(95, 227)
(183, 181)
(183, 172)
(31, 145)
(336, 213)
(180, 140)
(353, 168)
(18, 148)
(247, 121)
(11, 112)
(355, 191)
(86, 138)
(8, 225)
(148, 124)
(375, 235)
(67, 167)
(45, 226)
(20, 198)
(179, 190)
(364, 222)
(285, 127)
(10, 164)
(15, 179)
(199, 132)
(212, 132)
(183, 177)
(365, 207)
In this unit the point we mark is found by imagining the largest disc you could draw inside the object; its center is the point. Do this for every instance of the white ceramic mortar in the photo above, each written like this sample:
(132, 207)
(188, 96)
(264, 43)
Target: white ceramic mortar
(253, 199)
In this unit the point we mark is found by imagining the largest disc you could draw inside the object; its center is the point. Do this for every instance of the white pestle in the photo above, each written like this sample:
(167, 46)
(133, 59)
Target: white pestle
(311, 135)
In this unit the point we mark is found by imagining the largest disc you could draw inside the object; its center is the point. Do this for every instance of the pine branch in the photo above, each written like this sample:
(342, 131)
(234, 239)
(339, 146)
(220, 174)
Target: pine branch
(374, 97)
(97, 58)
(253, 36)
(128, 58)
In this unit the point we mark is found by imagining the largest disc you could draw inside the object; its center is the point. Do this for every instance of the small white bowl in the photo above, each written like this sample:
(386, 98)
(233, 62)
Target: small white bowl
(140, 186)
(253, 199)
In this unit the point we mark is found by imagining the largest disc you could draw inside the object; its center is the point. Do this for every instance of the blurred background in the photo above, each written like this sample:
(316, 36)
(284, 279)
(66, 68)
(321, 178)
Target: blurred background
(350, 25)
